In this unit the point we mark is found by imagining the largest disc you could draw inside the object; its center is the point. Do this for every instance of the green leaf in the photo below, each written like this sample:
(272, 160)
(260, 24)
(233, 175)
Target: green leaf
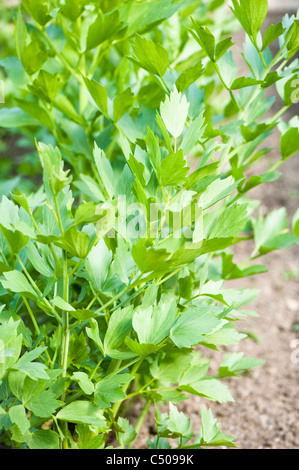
(83, 412)
(86, 213)
(209, 388)
(44, 404)
(150, 56)
(21, 34)
(295, 223)
(243, 82)
(251, 14)
(174, 112)
(189, 76)
(122, 103)
(210, 434)
(236, 362)
(292, 38)
(178, 425)
(231, 222)
(169, 367)
(105, 170)
(191, 325)
(91, 188)
(174, 169)
(273, 32)
(34, 370)
(38, 114)
(17, 282)
(17, 415)
(10, 345)
(205, 39)
(216, 191)
(226, 335)
(33, 56)
(84, 382)
(37, 261)
(148, 260)
(46, 86)
(73, 10)
(141, 349)
(105, 27)
(74, 242)
(16, 117)
(109, 390)
(119, 325)
(62, 304)
(222, 47)
(43, 439)
(78, 350)
(99, 94)
(98, 264)
(193, 134)
(125, 433)
(250, 135)
(54, 177)
(289, 143)
(39, 10)
(87, 439)
(153, 148)
(145, 15)
(94, 334)
(153, 324)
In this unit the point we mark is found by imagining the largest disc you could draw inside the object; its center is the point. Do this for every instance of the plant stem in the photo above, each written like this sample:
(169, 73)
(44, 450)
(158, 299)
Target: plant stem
(116, 406)
(226, 87)
(39, 293)
(36, 327)
(141, 420)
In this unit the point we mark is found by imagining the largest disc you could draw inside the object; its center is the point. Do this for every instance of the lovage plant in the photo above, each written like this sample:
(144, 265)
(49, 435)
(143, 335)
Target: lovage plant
(114, 271)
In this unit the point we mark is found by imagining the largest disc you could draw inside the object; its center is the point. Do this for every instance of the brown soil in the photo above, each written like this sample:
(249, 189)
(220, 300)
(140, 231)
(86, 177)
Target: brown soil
(265, 413)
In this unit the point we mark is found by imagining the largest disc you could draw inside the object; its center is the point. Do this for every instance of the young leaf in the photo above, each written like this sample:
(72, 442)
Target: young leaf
(174, 112)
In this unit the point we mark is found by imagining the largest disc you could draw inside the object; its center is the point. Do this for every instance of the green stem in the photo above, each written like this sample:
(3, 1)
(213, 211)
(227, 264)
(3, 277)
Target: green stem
(262, 58)
(60, 57)
(36, 327)
(39, 293)
(226, 87)
(141, 420)
(65, 342)
(116, 406)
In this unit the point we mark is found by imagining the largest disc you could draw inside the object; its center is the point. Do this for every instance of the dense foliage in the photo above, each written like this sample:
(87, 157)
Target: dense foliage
(114, 269)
